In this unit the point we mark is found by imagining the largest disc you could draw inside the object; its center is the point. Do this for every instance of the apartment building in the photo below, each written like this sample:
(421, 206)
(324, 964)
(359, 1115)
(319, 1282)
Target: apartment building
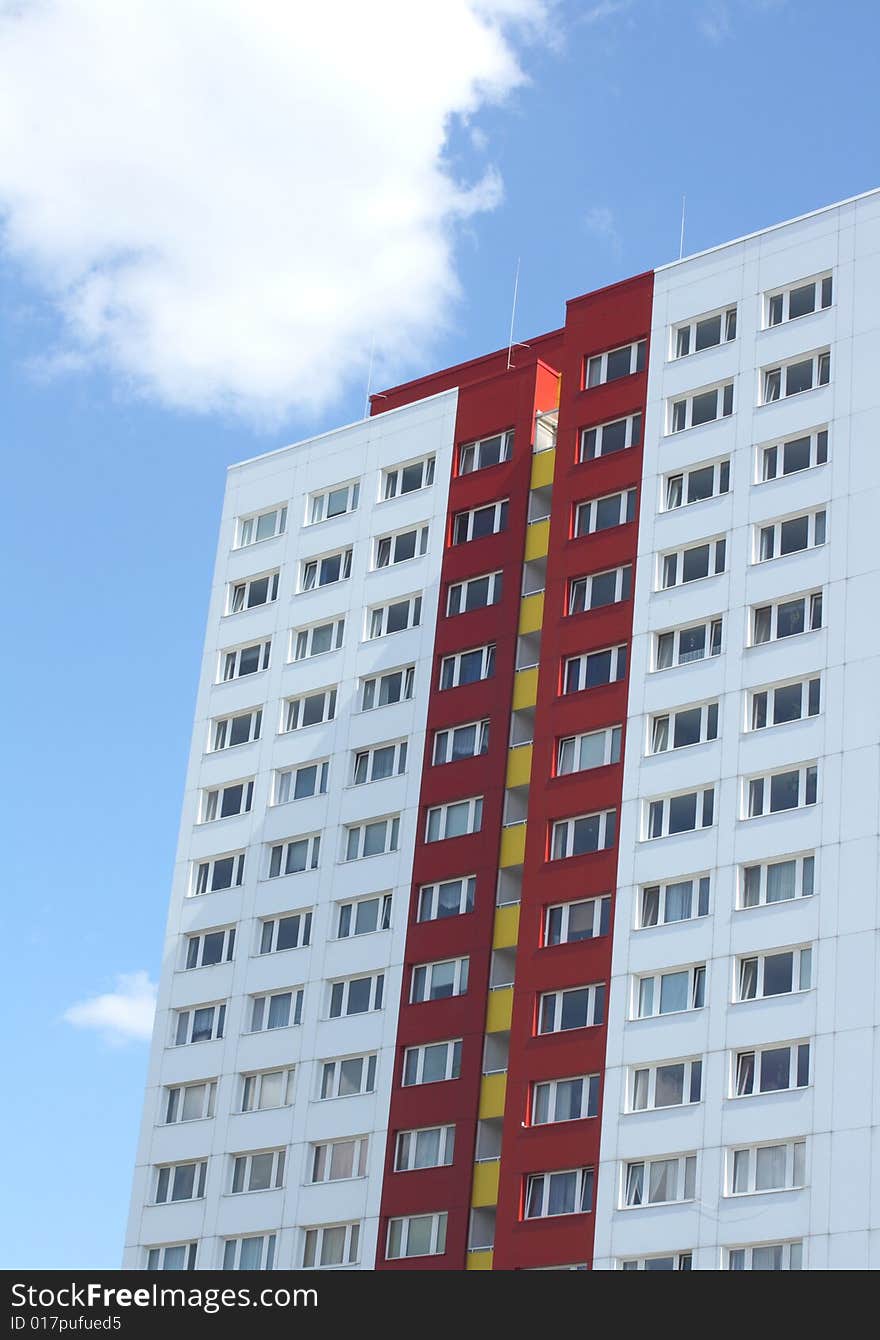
(526, 906)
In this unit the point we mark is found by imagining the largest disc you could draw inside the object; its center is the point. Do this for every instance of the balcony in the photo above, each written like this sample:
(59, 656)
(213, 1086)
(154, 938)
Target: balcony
(499, 1010)
(531, 614)
(506, 933)
(519, 766)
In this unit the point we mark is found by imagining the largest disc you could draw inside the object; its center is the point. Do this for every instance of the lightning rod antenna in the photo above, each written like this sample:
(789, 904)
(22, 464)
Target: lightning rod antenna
(513, 316)
(681, 238)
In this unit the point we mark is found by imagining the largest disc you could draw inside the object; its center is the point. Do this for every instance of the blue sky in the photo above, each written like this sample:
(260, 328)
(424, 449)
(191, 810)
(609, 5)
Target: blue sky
(757, 110)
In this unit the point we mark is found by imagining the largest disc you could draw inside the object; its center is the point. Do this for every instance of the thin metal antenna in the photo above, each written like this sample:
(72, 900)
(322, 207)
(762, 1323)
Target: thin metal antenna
(513, 317)
(681, 239)
(369, 379)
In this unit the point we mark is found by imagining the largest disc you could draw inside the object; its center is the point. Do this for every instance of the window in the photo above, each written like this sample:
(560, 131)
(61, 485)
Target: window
(295, 856)
(393, 617)
(181, 1181)
(394, 686)
(241, 661)
(312, 709)
(669, 1084)
(324, 571)
(660, 1181)
(202, 1023)
(431, 1064)
(564, 1100)
(479, 521)
(784, 702)
(552, 1193)
(792, 455)
(680, 814)
(669, 992)
(339, 1160)
(675, 1261)
(615, 509)
(584, 834)
(240, 729)
(252, 1253)
(616, 363)
(364, 916)
(279, 1009)
(476, 593)
(686, 726)
(715, 402)
(578, 753)
(382, 760)
(372, 839)
(431, 1147)
(778, 791)
(258, 1172)
(467, 667)
(220, 872)
(450, 898)
(679, 900)
(266, 1089)
(247, 595)
(299, 783)
(356, 995)
(293, 931)
(777, 881)
(487, 451)
(438, 981)
(210, 947)
(454, 820)
(598, 589)
(593, 669)
(703, 332)
(566, 923)
(416, 1235)
(786, 618)
(398, 548)
(795, 376)
(348, 1075)
(332, 502)
(790, 536)
(225, 801)
(689, 565)
(176, 1256)
(767, 1256)
(407, 478)
(189, 1102)
(332, 1245)
(261, 526)
(771, 1069)
(607, 438)
(696, 484)
(461, 742)
(316, 639)
(578, 1007)
(778, 973)
(680, 646)
(789, 303)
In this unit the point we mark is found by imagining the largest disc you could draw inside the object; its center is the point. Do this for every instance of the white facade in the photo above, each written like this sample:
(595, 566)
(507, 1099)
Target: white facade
(831, 1204)
(289, 478)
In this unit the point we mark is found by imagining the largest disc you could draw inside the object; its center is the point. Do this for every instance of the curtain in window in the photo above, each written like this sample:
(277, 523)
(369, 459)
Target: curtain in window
(781, 881)
(635, 1184)
(678, 901)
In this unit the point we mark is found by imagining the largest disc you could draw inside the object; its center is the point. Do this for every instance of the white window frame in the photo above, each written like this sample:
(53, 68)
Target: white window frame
(636, 1178)
(773, 380)
(390, 843)
(232, 1258)
(339, 995)
(437, 819)
(293, 709)
(238, 594)
(551, 1007)
(378, 617)
(677, 484)
(637, 1088)
(213, 799)
(311, 570)
(544, 1094)
(680, 409)
(302, 639)
(458, 592)
(683, 335)
(662, 727)
(391, 479)
(749, 973)
(739, 1070)
(314, 1239)
(270, 932)
(585, 514)
(252, 1082)
(408, 1156)
(658, 893)
(398, 752)
(348, 913)
(184, 1023)
(464, 521)
(761, 702)
(596, 365)
(370, 687)
(158, 1255)
(757, 790)
(677, 1261)
(277, 865)
(569, 749)
(260, 1010)
(317, 503)
(322, 1155)
(452, 1066)
(647, 991)
(585, 585)
(563, 835)
(656, 823)
(166, 1177)
(487, 654)
(251, 523)
(330, 1076)
(556, 922)
(197, 942)
(287, 780)
(229, 660)
(174, 1101)
(577, 668)
(591, 440)
(538, 1189)
(399, 1231)
(713, 643)
(768, 537)
(221, 729)
(804, 884)
(205, 872)
(444, 749)
(671, 565)
(429, 898)
(770, 456)
(777, 301)
(813, 603)
(421, 986)
(791, 1255)
(469, 456)
(385, 546)
(242, 1171)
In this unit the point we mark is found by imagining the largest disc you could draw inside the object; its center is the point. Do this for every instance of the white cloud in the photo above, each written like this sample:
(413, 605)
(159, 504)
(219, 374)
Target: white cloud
(713, 21)
(605, 9)
(123, 1015)
(230, 201)
(600, 221)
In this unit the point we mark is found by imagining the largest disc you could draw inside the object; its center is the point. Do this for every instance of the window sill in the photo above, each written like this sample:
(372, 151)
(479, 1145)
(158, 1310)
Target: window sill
(291, 949)
(662, 925)
(781, 325)
(695, 427)
(251, 609)
(316, 590)
(795, 395)
(780, 995)
(401, 563)
(678, 586)
(261, 1191)
(792, 553)
(659, 1204)
(779, 725)
(674, 359)
(193, 1121)
(218, 683)
(667, 1014)
(792, 474)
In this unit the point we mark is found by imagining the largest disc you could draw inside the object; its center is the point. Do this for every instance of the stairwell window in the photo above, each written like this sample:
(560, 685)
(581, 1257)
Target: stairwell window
(795, 376)
(416, 1235)
(784, 702)
(776, 792)
(439, 981)
(278, 1009)
(261, 526)
(289, 932)
(566, 923)
(227, 732)
(429, 1147)
(407, 478)
(456, 819)
(669, 992)
(677, 900)
(596, 749)
(584, 834)
(596, 514)
(189, 1102)
(467, 667)
(564, 1100)
(356, 995)
(486, 452)
(479, 521)
(608, 438)
(331, 1245)
(375, 838)
(449, 898)
(393, 617)
(312, 709)
(786, 618)
(767, 1256)
(770, 1069)
(599, 589)
(793, 455)
(790, 536)
(669, 1084)
(316, 639)
(202, 1023)
(181, 1181)
(659, 1181)
(241, 661)
(552, 1193)
(217, 873)
(176, 1256)
(210, 947)
(680, 646)
(696, 485)
(249, 594)
(616, 363)
(593, 668)
(780, 973)
(683, 813)
(801, 299)
(400, 547)
(577, 1007)
(339, 1160)
(692, 564)
(703, 332)
(223, 802)
(251, 1253)
(325, 571)
(379, 762)
(684, 727)
(295, 856)
(346, 1076)
(266, 1089)
(394, 686)
(257, 1172)
(363, 916)
(328, 503)
(459, 742)
(475, 593)
(777, 881)
(705, 406)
